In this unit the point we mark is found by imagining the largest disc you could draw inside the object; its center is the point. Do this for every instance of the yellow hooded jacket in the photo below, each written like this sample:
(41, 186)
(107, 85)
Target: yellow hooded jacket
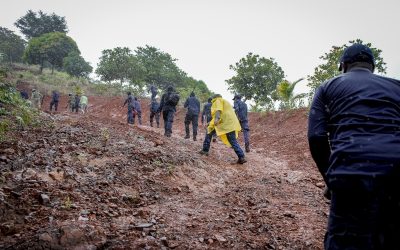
(228, 121)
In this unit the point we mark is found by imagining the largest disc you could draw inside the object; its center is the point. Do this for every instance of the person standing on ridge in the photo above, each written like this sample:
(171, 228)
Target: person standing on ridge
(354, 139)
(55, 97)
(192, 116)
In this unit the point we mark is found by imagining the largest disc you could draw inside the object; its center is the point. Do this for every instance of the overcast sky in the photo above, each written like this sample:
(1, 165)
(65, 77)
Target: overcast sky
(207, 36)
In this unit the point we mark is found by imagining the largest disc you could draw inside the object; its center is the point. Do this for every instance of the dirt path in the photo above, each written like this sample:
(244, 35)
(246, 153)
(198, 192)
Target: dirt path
(145, 191)
(250, 205)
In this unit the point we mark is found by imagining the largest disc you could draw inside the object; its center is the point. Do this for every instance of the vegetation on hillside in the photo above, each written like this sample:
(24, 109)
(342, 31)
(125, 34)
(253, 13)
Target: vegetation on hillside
(15, 112)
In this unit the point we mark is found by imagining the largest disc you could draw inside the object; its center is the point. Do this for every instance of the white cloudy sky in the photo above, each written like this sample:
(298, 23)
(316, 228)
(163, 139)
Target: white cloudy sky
(206, 36)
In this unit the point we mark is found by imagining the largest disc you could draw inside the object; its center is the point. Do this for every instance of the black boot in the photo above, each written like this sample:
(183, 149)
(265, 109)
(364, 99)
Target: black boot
(247, 148)
(187, 137)
(241, 160)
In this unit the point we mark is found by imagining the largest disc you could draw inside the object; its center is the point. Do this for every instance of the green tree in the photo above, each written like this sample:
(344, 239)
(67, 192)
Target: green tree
(119, 64)
(51, 48)
(11, 46)
(330, 67)
(256, 78)
(160, 68)
(199, 87)
(75, 65)
(34, 24)
(285, 94)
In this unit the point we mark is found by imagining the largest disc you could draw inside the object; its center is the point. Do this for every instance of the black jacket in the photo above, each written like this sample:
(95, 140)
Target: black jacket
(354, 125)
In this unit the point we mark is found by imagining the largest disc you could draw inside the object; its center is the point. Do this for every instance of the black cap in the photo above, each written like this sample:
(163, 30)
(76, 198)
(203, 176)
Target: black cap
(356, 53)
(192, 94)
(209, 99)
(237, 96)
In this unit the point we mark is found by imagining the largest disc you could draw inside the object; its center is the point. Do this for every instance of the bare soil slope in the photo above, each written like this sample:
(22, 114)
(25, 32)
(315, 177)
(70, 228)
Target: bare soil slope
(93, 182)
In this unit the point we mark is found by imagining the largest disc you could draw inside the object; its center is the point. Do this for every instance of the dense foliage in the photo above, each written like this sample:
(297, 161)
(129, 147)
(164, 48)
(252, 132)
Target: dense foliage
(34, 24)
(11, 46)
(15, 112)
(330, 67)
(256, 78)
(75, 65)
(160, 68)
(51, 48)
(147, 66)
(119, 64)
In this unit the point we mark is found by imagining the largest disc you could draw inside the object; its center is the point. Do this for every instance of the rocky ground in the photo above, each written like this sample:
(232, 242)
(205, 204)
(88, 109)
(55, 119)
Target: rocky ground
(90, 181)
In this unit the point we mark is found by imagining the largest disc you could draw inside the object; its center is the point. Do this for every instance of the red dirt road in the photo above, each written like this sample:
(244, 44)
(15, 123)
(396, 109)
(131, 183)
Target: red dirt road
(115, 186)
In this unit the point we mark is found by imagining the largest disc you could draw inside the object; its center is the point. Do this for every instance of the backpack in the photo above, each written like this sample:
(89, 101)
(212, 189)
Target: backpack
(173, 99)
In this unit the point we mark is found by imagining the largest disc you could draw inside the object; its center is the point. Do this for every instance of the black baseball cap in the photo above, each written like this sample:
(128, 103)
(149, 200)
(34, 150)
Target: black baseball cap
(356, 53)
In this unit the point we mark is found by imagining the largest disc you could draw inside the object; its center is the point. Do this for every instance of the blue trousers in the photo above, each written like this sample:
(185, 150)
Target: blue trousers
(231, 136)
(168, 117)
(139, 115)
(364, 214)
(194, 119)
(130, 116)
(157, 116)
(246, 132)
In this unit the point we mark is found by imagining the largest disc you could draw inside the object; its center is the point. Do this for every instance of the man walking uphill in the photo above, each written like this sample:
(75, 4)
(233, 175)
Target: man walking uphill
(131, 108)
(55, 97)
(226, 125)
(192, 115)
(168, 104)
(354, 139)
(138, 109)
(154, 112)
(241, 113)
(206, 115)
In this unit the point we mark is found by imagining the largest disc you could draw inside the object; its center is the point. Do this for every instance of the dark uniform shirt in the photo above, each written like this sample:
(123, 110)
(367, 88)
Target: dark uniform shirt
(164, 105)
(154, 106)
(192, 105)
(240, 108)
(55, 96)
(129, 101)
(359, 113)
(206, 112)
(137, 106)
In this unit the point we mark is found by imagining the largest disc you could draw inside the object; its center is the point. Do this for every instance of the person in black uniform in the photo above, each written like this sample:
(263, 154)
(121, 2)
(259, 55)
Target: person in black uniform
(354, 139)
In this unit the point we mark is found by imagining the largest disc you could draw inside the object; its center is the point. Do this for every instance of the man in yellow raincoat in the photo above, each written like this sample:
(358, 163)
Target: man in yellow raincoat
(226, 125)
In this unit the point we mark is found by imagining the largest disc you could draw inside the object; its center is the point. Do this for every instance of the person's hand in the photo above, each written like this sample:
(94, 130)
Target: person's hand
(216, 122)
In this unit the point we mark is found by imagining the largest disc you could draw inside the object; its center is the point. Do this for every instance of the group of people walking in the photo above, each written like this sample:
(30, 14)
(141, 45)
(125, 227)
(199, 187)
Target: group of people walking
(218, 117)
(74, 104)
